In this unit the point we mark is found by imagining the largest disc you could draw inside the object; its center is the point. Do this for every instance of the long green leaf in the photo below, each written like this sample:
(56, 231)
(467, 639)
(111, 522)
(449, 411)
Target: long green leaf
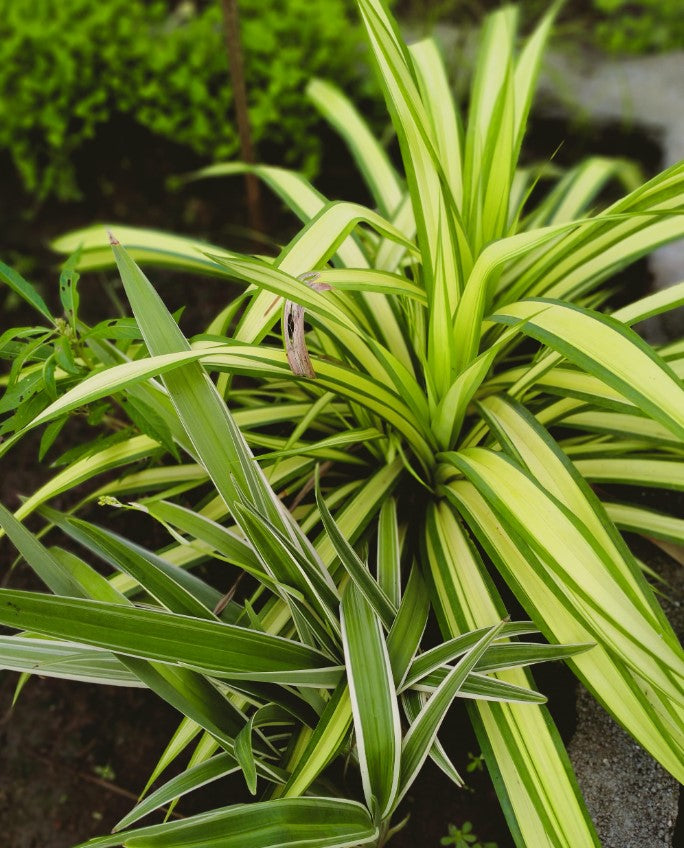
(529, 766)
(288, 823)
(580, 568)
(652, 719)
(324, 743)
(152, 247)
(63, 660)
(648, 522)
(212, 647)
(373, 700)
(527, 442)
(609, 350)
(170, 586)
(356, 569)
(85, 469)
(418, 741)
(216, 438)
(369, 155)
(452, 648)
(24, 289)
(50, 570)
(191, 779)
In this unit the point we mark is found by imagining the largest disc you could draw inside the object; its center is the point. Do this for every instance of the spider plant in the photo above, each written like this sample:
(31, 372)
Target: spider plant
(459, 344)
(319, 654)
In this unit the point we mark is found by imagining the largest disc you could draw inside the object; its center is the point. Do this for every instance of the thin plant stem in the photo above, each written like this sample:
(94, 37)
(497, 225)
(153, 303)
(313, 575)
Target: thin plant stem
(231, 29)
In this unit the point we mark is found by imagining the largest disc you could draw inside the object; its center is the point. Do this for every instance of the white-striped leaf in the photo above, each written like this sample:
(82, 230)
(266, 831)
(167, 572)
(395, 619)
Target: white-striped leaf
(373, 701)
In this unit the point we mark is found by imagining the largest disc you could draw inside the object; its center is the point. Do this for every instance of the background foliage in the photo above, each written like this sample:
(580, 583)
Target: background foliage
(67, 66)
(642, 27)
(620, 26)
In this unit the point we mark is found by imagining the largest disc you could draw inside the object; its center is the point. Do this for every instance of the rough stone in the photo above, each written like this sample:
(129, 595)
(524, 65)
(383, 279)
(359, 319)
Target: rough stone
(632, 800)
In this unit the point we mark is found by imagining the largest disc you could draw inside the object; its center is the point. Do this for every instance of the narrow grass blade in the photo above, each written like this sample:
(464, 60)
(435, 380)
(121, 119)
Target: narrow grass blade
(330, 734)
(371, 158)
(407, 630)
(24, 289)
(186, 731)
(435, 657)
(652, 718)
(216, 438)
(609, 350)
(152, 247)
(445, 122)
(289, 566)
(647, 522)
(48, 568)
(634, 471)
(578, 568)
(357, 570)
(191, 779)
(244, 753)
(523, 438)
(64, 660)
(171, 587)
(199, 526)
(413, 702)
(388, 555)
(84, 470)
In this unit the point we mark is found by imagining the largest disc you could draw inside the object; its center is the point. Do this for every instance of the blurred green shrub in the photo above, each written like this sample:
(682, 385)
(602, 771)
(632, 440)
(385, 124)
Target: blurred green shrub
(644, 26)
(618, 26)
(66, 66)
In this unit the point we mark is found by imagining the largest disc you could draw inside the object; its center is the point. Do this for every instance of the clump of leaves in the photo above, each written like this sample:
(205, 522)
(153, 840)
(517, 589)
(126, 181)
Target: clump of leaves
(46, 360)
(641, 26)
(319, 657)
(468, 403)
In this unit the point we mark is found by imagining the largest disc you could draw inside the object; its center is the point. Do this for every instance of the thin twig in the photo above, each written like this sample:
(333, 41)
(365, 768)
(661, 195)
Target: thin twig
(308, 486)
(231, 29)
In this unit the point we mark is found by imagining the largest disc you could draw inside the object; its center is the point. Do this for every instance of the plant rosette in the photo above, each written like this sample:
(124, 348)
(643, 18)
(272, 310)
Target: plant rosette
(461, 401)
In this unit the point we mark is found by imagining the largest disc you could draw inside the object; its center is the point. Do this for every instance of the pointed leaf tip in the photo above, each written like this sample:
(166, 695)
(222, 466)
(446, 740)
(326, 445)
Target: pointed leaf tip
(112, 238)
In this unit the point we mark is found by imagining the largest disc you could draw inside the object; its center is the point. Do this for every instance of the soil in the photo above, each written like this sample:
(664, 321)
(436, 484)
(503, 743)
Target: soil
(73, 758)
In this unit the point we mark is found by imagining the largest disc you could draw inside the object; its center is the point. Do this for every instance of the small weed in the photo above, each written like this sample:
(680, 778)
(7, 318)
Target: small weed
(463, 837)
(476, 763)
